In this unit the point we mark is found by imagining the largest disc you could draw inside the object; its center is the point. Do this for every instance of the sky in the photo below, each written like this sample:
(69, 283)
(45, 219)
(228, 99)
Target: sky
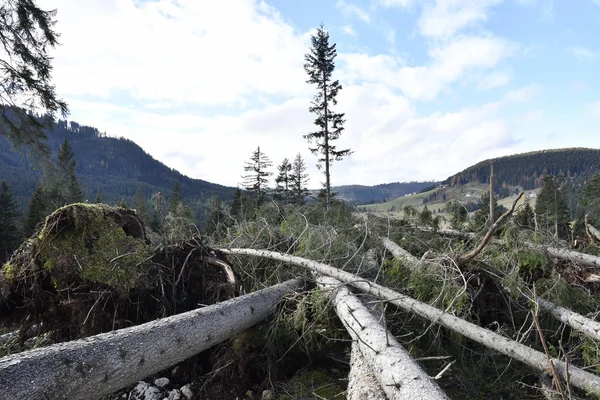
(430, 87)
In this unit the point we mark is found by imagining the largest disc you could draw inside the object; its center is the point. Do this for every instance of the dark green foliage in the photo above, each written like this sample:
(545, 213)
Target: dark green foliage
(283, 181)
(215, 223)
(175, 199)
(299, 180)
(590, 199)
(319, 66)
(98, 199)
(122, 203)
(481, 219)
(65, 183)
(236, 205)
(37, 210)
(361, 195)
(9, 231)
(458, 214)
(140, 205)
(256, 181)
(114, 167)
(525, 217)
(26, 34)
(532, 265)
(551, 209)
(527, 170)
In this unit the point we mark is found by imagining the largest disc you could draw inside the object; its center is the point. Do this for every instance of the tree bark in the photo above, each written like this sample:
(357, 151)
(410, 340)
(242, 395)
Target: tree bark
(99, 365)
(398, 374)
(592, 232)
(533, 358)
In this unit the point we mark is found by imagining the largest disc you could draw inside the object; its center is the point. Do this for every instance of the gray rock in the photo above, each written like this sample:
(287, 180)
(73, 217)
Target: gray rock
(145, 391)
(267, 395)
(161, 382)
(173, 395)
(186, 391)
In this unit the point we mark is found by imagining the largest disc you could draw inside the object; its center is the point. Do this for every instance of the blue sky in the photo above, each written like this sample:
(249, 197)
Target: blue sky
(430, 86)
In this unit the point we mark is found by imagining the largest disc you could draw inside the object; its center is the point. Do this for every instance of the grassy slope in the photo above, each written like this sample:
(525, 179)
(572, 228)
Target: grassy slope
(463, 193)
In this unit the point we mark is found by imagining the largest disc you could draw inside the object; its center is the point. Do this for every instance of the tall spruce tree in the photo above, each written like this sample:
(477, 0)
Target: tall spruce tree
(525, 218)
(283, 181)
(551, 209)
(26, 34)
(235, 210)
(590, 199)
(482, 216)
(319, 66)
(257, 181)
(299, 180)
(215, 223)
(37, 210)
(9, 232)
(176, 198)
(141, 206)
(61, 184)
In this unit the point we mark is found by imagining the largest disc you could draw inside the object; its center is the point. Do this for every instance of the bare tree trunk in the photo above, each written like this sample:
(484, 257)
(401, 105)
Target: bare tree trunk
(99, 365)
(399, 375)
(492, 219)
(533, 358)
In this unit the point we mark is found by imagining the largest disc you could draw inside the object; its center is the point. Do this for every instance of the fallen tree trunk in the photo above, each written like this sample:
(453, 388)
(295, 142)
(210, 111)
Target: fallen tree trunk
(99, 365)
(592, 232)
(576, 321)
(399, 253)
(562, 254)
(399, 375)
(362, 384)
(533, 358)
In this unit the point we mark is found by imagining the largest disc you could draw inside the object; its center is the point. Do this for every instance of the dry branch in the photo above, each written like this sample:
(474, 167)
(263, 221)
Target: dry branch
(463, 259)
(533, 358)
(99, 365)
(399, 375)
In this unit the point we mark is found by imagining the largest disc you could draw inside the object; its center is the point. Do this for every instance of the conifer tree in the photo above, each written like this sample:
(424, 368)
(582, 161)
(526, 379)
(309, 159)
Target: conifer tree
(9, 233)
(256, 181)
(236, 205)
(590, 199)
(283, 181)
(319, 66)
(122, 203)
(551, 209)
(175, 199)
(62, 185)
(525, 218)
(299, 180)
(98, 199)
(215, 222)
(482, 216)
(27, 36)
(141, 206)
(37, 210)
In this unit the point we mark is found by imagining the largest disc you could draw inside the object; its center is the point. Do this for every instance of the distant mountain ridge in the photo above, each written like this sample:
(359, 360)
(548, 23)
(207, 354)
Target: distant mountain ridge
(527, 169)
(112, 167)
(361, 194)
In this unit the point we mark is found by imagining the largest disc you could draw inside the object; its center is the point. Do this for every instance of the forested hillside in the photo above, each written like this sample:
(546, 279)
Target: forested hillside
(528, 169)
(361, 194)
(110, 167)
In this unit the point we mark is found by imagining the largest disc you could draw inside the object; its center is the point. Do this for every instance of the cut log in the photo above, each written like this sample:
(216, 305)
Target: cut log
(362, 384)
(533, 358)
(592, 232)
(99, 365)
(399, 375)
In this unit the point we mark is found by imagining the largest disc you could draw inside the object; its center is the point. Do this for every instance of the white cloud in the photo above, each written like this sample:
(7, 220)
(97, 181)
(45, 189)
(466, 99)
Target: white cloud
(578, 86)
(582, 54)
(390, 36)
(186, 52)
(494, 79)
(348, 30)
(445, 18)
(353, 10)
(522, 95)
(534, 116)
(396, 3)
(449, 63)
